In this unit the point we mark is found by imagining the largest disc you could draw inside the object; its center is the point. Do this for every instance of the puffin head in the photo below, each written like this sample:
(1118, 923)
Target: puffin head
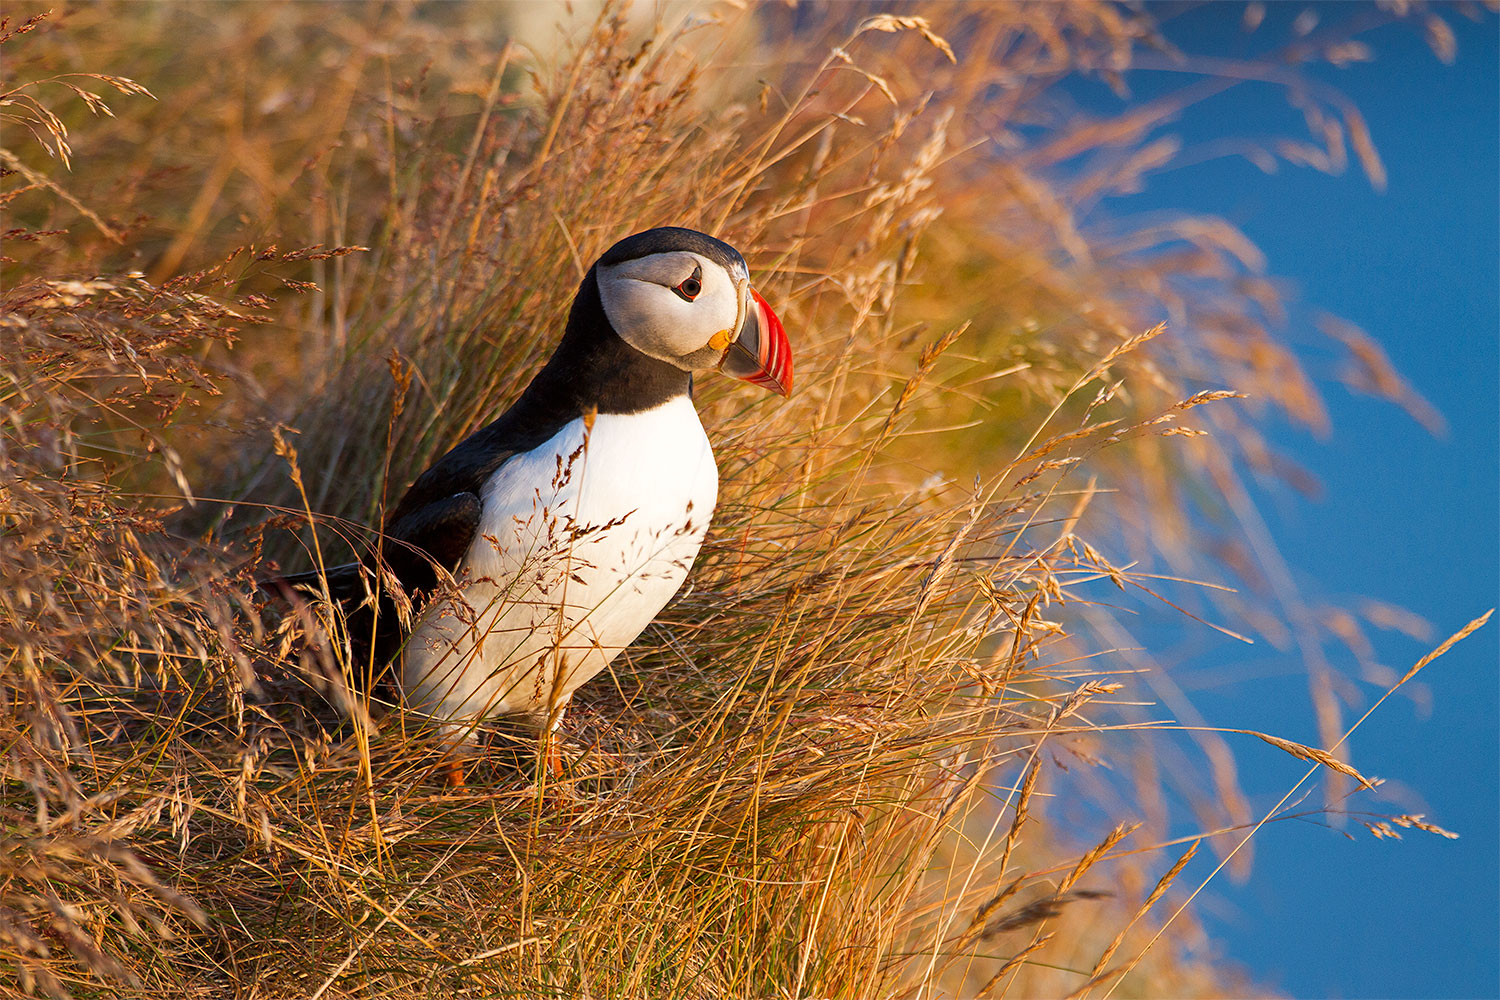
(681, 297)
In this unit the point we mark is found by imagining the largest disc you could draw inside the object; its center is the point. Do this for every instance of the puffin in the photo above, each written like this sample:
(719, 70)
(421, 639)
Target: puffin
(541, 545)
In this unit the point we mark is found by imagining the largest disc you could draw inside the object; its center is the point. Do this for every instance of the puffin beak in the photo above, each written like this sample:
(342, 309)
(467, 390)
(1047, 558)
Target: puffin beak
(761, 353)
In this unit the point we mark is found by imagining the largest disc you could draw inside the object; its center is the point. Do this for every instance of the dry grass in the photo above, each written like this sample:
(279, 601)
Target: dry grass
(825, 770)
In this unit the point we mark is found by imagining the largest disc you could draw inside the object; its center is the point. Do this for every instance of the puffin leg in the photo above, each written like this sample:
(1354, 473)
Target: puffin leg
(556, 793)
(450, 764)
(554, 758)
(453, 773)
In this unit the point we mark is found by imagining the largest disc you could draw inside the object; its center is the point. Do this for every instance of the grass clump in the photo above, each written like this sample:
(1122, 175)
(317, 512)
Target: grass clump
(824, 771)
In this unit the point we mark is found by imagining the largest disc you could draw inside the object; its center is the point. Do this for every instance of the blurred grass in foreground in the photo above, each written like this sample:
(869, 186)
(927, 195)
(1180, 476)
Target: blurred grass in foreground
(355, 230)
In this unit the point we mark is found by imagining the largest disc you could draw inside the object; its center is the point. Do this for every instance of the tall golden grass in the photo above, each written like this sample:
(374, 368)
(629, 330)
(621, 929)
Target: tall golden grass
(331, 239)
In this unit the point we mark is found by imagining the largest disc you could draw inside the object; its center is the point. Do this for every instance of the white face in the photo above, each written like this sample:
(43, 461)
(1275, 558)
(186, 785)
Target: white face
(676, 307)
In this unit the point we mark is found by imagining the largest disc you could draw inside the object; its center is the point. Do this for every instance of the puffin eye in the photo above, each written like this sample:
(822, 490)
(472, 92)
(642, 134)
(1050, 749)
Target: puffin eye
(691, 285)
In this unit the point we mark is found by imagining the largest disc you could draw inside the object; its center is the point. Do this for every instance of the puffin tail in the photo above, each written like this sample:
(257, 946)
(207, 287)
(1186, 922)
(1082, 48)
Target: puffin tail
(345, 584)
(373, 627)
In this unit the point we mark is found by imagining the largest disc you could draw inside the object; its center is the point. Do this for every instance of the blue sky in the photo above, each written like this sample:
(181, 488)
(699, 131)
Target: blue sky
(1405, 517)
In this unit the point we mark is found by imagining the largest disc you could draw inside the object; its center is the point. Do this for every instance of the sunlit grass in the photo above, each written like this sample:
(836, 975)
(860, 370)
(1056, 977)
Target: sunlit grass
(825, 770)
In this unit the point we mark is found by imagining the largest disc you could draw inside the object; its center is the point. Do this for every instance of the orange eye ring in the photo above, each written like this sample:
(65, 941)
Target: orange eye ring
(691, 286)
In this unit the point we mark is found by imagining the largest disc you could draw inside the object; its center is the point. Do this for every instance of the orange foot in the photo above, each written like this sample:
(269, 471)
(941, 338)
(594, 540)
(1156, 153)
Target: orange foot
(556, 794)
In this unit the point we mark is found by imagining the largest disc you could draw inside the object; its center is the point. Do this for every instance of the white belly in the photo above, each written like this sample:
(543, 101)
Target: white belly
(581, 543)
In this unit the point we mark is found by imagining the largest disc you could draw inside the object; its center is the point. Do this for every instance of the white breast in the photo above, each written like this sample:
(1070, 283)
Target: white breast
(581, 543)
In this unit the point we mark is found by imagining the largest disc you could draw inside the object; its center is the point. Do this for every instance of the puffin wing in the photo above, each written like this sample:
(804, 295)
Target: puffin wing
(438, 518)
(437, 532)
(432, 526)
(421, 536)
